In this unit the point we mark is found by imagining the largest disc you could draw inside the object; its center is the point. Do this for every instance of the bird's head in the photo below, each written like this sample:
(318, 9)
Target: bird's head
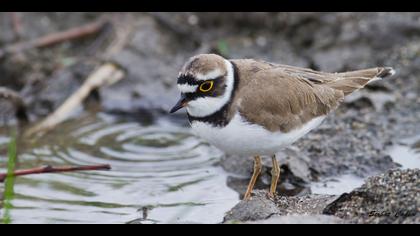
(206, 82)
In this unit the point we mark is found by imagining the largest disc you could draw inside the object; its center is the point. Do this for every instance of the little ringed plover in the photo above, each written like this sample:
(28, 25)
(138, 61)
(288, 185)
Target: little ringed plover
(252, 107)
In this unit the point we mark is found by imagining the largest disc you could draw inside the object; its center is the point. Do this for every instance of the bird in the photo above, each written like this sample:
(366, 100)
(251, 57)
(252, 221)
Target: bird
(254, 108)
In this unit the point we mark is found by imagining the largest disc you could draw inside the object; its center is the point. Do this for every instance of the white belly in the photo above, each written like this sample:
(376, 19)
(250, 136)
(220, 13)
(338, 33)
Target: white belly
(242, 138)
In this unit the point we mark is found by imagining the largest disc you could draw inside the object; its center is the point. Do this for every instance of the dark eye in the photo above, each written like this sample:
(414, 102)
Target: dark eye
(206, 86)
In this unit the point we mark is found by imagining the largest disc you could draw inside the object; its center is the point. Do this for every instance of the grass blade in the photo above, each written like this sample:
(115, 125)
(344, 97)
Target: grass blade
(10, 181)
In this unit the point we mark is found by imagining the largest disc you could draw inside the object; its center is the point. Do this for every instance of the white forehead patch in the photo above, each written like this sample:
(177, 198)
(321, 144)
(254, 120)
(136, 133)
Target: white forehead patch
(186, 88)
(210, 75)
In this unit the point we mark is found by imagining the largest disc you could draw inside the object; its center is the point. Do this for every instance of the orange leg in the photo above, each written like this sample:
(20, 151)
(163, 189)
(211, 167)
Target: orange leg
(275, 175)
(257, 171)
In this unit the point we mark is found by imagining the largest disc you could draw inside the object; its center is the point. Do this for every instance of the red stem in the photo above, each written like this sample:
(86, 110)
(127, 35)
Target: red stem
(50, 169)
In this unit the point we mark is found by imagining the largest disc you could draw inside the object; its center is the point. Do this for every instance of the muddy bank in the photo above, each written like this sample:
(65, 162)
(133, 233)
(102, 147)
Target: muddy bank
(155, 45)
(392, 197)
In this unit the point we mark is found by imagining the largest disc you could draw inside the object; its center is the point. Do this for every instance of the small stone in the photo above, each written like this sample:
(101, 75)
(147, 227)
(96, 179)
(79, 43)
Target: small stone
(257, 208)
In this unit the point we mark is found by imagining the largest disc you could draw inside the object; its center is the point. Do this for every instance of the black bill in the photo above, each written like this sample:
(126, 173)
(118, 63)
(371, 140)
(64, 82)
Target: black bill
(180, 104)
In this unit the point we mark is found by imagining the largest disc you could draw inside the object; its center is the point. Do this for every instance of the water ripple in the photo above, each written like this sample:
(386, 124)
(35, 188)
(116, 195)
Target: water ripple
(161, 167)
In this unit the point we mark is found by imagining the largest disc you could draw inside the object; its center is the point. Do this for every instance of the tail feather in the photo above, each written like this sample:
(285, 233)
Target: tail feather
(349, 82)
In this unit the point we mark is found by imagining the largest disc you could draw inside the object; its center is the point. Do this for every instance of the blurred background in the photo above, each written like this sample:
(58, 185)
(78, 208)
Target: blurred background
(161, 173)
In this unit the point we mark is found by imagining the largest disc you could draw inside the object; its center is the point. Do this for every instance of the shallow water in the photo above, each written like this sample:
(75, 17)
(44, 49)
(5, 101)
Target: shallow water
(406, 153)
(337, 185)
(160, 174)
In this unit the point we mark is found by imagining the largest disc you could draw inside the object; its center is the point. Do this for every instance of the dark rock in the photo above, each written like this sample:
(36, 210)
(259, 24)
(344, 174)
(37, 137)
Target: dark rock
(393, 197)
(281, 209)
(300, 219)
(12, 107)
(45, 98)
(257, 208)
(13, 71)
(308, 204)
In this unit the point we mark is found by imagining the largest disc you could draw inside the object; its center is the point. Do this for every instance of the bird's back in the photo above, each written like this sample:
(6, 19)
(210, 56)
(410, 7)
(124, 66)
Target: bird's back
(283, 98)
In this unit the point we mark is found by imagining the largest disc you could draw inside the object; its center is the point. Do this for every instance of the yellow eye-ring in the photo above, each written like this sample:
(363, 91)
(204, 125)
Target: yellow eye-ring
(206, 86)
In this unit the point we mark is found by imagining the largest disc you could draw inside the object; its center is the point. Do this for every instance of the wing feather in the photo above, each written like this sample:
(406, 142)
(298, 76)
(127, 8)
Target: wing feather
(280, 101)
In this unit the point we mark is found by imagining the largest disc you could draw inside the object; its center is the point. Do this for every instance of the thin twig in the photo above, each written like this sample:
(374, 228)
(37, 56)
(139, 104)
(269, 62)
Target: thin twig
(54, 38)
(105, 75)
(50, 169)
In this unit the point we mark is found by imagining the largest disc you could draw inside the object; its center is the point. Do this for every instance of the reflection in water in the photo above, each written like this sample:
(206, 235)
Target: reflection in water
(157, 168)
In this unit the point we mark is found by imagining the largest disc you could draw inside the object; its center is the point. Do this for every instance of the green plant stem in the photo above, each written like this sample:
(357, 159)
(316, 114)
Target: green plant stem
(10, 180)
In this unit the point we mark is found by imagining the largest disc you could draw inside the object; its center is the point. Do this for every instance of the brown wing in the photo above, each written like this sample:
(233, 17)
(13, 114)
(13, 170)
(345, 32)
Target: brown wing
(282, 101)
(282, 97)
(347, 82)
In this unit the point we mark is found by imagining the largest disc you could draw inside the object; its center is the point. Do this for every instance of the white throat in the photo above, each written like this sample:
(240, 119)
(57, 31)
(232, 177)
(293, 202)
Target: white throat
(202, 107)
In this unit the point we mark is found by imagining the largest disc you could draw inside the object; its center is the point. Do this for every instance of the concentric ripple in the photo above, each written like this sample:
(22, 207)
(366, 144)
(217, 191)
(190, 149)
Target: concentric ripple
(159, 168)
